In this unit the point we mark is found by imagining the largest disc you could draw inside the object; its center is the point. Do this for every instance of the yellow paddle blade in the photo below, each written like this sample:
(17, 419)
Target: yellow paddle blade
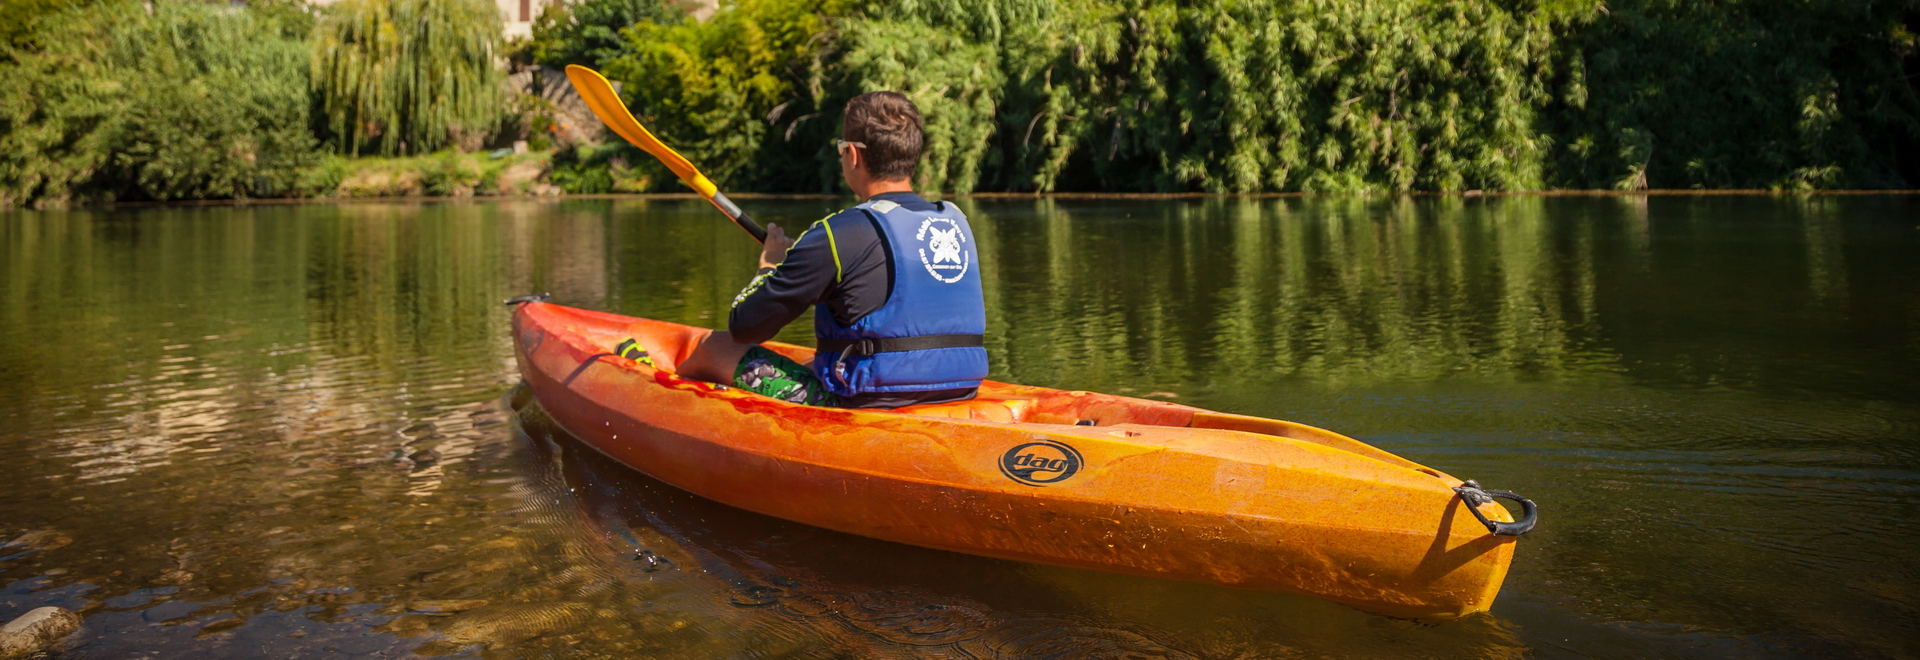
(599, 95)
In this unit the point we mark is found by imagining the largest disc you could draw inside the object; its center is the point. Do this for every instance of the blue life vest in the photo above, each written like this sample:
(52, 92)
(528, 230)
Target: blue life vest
(928, 334)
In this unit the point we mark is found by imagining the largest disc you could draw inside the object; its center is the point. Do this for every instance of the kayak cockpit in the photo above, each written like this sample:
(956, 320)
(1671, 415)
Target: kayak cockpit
(986, 406)
(670, 343)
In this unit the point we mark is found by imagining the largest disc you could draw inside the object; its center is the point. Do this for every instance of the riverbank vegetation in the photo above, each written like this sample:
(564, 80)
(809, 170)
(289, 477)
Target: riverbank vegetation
(1313, 95)
(447, 173)
(185, 101)
(117, 99)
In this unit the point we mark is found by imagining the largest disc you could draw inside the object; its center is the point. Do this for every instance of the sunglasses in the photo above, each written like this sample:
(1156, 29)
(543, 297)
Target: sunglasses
(840, 145)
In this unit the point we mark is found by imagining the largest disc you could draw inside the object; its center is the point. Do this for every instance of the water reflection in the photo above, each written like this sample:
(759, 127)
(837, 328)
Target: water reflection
(1174, 296)
(247, 430)
(799, 587)
(836, 595)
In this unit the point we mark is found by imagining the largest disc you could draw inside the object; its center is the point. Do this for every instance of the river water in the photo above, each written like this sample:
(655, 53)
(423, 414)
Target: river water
(294, 431)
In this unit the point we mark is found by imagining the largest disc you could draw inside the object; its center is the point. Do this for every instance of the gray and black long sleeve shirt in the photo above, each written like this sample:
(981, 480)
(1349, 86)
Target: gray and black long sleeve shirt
(844, 262)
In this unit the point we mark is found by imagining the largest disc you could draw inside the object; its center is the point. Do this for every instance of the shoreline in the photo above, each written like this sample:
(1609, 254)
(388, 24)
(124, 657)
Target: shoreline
(1470, 194)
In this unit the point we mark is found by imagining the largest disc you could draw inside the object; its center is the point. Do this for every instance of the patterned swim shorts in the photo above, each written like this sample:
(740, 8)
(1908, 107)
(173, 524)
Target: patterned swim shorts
(762, 371)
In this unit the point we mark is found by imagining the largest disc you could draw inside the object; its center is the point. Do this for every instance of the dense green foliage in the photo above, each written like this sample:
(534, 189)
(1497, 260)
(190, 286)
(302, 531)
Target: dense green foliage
(189, 100)
(407, 76)
(1313, 95)
(108, 99)
(587, 32)
(740, 93)
(1673, 94)
(22, 18)
(1242, 97)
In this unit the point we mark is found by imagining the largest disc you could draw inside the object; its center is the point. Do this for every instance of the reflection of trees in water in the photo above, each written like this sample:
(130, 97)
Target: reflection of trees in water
(576, 248)
(110, 353)
(298, 394)
(1774, 293)
(681, 261)
(1173, 294)
(180, 330)
(1336, 290)
(1826, 261)
(1113, 294)
(733, 579)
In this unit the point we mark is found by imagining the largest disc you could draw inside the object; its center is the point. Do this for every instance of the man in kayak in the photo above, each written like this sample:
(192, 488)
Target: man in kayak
(894, 282)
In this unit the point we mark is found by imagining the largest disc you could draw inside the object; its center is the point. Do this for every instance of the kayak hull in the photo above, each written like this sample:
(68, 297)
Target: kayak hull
(1071, 479)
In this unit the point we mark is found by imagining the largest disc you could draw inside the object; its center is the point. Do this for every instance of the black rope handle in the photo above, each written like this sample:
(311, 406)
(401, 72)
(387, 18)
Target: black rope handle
(1471, 493)
(538, 297)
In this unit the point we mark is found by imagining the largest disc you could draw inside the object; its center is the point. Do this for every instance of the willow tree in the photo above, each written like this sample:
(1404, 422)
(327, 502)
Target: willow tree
(407, 76)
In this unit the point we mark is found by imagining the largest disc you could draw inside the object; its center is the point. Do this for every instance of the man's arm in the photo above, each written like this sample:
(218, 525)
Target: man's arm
(777, 296)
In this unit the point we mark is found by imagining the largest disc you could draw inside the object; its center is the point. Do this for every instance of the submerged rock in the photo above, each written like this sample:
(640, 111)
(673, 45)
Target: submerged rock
(405, 624)
(424, 457)
(504, 626)
(447, 606)
(36, 631)
(174, 577)
(44, 539)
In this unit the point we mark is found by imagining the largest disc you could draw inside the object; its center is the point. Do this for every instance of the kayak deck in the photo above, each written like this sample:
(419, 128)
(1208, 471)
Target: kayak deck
(1066, 478)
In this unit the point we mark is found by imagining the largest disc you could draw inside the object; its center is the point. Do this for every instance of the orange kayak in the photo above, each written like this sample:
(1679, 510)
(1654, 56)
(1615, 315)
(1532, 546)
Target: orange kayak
(1057, 477)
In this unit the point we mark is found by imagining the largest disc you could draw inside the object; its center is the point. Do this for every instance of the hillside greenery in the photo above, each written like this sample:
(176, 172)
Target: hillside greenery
(122, 99)
(186, 101)
(1793, 95)
(1307, 95)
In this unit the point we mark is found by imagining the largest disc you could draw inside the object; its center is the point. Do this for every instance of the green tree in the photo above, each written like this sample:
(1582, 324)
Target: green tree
(22, 18)
(407, 76)
(954, 83)
(719, 90)
(1792, 95)
(587, 32)
(189, 100)
(1229, 96)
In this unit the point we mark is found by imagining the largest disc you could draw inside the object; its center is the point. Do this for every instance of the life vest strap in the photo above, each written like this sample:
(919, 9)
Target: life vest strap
(871, 346)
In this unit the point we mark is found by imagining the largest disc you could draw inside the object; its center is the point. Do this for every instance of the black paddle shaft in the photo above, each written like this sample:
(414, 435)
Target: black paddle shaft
(739, 217)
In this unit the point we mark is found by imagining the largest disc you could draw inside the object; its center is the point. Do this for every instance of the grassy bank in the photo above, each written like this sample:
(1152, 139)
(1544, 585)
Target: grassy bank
(445, 174)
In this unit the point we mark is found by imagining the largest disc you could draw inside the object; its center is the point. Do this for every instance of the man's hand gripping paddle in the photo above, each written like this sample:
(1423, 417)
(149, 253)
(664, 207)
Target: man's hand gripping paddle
(606, 104)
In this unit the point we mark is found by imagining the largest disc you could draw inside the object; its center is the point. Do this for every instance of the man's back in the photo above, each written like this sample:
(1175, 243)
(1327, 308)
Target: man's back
(895, 283)
(849, 267)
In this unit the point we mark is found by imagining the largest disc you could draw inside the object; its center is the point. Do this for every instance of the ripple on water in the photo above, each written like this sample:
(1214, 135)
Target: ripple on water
(773, 596)
(505, 625)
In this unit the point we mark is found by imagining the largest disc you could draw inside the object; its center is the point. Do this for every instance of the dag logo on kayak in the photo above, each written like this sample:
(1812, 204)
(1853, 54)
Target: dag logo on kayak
(1040, 463)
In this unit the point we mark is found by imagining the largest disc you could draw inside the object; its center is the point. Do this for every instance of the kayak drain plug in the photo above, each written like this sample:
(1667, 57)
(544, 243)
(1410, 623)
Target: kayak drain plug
(1471, 493)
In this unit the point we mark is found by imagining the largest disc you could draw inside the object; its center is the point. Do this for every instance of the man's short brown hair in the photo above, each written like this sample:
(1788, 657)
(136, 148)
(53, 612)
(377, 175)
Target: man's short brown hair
(889, 124)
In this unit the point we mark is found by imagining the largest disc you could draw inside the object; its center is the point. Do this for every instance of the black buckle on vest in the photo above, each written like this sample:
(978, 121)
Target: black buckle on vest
(849, 348)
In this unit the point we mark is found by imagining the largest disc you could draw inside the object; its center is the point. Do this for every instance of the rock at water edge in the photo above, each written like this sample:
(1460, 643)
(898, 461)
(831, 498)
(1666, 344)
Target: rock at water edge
(36, 631)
